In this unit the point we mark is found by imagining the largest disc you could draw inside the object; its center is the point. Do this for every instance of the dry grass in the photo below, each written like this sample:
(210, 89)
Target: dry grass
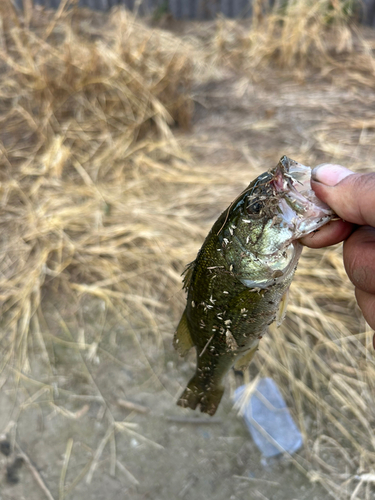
(102, 205)
(85, 140)
(301, 37)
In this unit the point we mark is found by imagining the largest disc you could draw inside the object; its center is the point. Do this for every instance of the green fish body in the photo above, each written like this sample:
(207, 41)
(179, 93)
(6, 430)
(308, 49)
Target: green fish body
(238, 284)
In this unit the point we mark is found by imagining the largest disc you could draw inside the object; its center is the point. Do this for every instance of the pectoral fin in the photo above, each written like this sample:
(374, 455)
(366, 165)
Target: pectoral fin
(282, 308)
(182, 341)
(244, 361)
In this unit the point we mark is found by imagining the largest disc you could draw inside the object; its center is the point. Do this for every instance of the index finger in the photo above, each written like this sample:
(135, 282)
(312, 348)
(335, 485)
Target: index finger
(330, 234)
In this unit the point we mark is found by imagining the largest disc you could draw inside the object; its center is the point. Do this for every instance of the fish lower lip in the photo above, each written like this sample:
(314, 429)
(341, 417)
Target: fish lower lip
(308, 226)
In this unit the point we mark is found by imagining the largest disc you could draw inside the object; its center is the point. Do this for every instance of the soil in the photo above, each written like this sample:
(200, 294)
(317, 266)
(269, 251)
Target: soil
(167, 452)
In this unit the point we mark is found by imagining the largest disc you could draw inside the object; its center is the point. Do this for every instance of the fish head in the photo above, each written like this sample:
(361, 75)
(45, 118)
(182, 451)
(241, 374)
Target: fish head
(265, 222)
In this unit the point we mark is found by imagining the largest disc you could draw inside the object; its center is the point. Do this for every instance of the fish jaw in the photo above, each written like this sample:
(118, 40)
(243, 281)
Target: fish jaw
(302, 210)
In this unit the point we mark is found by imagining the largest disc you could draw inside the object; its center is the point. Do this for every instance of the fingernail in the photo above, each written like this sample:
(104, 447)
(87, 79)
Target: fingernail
(330, 175)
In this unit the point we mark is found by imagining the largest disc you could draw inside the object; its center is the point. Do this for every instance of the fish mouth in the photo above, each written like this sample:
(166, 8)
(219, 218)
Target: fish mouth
(302, 210)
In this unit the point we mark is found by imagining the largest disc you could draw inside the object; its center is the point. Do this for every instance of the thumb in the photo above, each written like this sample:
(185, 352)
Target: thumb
(350, 195)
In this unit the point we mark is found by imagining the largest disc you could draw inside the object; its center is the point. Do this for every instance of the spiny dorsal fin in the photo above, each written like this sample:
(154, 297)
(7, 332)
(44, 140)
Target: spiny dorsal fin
(182, 339)
(187, 274)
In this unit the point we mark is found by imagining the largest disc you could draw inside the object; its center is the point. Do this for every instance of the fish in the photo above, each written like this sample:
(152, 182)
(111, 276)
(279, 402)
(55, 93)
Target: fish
(238, 284)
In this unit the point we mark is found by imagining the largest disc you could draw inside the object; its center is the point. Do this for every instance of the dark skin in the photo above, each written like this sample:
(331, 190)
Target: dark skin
(352, 197)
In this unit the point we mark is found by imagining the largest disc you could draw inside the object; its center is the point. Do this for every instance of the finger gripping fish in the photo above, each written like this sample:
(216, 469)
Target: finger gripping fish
(237, 286)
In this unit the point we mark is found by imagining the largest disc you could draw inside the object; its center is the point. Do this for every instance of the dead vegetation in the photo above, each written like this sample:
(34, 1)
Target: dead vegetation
(103, 201)
(301, 38)
(85, 134)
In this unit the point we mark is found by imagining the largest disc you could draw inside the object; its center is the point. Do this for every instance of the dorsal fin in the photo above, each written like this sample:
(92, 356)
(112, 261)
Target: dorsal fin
(182, 341)
(187, 274)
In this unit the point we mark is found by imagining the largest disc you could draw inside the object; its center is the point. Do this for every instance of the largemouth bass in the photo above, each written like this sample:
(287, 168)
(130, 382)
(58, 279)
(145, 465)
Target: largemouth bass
(238, 284)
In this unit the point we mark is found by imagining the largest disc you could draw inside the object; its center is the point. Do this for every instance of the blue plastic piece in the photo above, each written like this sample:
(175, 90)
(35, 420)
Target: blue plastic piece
(269, 421)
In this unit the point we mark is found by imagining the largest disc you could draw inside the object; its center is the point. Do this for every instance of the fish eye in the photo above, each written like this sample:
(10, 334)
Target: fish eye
(259, 191)
(254, 207)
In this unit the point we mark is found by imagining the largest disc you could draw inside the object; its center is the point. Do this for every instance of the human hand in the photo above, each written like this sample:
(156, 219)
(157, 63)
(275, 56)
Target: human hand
(352, 197)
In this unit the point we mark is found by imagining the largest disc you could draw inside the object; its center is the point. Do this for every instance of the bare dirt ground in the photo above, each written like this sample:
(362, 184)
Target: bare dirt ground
(84, 442)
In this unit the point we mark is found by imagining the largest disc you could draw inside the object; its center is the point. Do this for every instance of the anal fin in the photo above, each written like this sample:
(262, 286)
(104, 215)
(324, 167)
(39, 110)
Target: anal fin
(244, 361)
(182, 341)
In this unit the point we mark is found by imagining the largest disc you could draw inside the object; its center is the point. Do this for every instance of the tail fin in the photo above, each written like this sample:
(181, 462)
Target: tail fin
(206, 396)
